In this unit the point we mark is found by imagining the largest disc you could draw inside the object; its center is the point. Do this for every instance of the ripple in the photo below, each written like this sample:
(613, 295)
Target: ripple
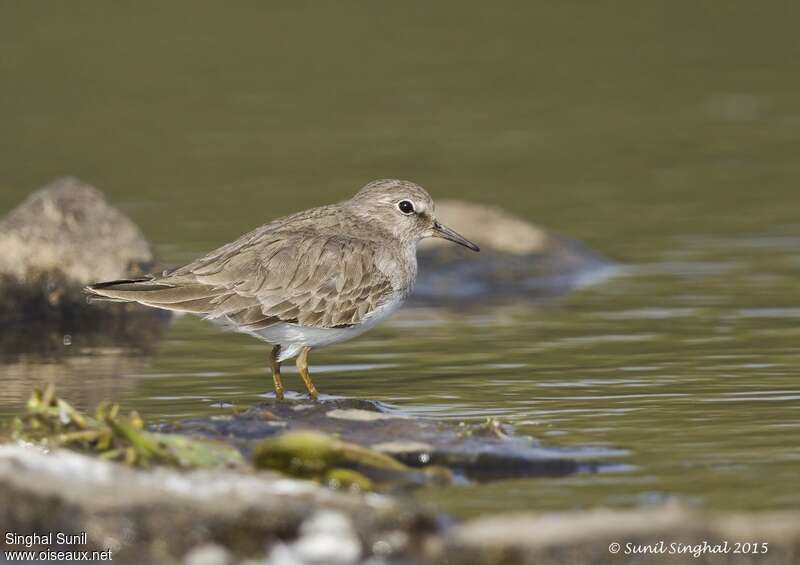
(767, 313)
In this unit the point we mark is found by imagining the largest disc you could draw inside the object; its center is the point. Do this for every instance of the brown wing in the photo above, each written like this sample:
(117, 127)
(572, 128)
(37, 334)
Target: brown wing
(313, 280)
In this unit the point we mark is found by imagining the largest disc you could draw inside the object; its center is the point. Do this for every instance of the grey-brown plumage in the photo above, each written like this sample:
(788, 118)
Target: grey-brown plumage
(310, 279)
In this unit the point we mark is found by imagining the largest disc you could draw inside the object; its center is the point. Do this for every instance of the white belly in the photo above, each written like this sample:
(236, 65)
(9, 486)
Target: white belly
(293, 337)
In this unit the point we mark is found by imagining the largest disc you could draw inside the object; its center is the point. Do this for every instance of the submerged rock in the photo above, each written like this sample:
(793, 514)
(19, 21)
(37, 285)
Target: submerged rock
(517, 260)
(52, 422)
(471, 452)
(328, 459)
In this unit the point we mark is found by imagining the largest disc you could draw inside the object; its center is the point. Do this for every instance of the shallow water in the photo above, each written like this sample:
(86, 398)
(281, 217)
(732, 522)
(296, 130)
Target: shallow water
(664, 137)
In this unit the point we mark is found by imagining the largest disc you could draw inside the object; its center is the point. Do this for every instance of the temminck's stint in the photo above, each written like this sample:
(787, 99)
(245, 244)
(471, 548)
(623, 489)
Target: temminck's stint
(311, 279)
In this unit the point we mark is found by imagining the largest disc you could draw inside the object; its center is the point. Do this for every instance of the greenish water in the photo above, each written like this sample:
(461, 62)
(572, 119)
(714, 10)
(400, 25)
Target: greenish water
(664, 135)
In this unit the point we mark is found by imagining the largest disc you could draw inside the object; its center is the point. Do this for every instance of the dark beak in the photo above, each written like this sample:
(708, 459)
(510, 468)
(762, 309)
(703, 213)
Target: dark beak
(446, 233)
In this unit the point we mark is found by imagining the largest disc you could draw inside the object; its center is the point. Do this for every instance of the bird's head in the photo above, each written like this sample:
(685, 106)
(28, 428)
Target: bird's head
(404, 209)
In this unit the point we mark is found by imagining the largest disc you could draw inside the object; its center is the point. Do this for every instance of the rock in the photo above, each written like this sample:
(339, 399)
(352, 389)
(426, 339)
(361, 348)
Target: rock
(164, 516)
(612, 536)
(62, 237)
(323, 457)
(496, 229)
(357, 415)
(472, 452)
(51, 422)
(403, 448)
(389, 452)
(517, 259)
(328, 537)
(224, 517)
(68, 228)
(209, 554)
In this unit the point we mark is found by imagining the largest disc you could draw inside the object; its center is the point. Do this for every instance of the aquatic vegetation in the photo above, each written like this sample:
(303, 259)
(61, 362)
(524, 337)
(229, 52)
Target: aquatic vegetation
(319, 456)
(52, 422)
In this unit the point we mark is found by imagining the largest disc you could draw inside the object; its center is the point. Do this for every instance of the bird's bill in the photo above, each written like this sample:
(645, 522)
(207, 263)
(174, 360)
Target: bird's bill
(446, 233)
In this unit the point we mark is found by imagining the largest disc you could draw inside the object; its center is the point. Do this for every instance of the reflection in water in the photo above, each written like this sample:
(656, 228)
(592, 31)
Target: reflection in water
(88, 362)
(85, 378)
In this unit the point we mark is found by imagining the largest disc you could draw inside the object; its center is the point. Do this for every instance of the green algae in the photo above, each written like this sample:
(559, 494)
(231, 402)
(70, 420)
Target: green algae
(319, 456)
(52, 422)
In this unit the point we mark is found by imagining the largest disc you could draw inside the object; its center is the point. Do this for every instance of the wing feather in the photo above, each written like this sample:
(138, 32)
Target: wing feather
(273, 274)
(323, 282)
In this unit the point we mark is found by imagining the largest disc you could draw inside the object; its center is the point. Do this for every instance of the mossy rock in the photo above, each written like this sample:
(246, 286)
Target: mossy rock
(322, 457)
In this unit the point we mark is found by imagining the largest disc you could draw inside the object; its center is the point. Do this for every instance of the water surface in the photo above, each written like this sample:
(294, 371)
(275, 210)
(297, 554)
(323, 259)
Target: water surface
(664, 135)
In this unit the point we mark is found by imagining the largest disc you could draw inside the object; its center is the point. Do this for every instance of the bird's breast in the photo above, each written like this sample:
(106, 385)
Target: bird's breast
(399, 265)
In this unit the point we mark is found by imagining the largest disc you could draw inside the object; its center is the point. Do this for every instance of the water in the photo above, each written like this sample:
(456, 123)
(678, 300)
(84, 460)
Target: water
(664, 135)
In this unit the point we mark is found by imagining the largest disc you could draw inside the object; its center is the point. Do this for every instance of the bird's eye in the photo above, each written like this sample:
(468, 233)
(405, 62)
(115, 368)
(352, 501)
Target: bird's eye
(406, 207)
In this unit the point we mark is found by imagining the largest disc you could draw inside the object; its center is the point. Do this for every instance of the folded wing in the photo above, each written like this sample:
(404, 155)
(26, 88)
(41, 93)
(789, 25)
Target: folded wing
(315, 281)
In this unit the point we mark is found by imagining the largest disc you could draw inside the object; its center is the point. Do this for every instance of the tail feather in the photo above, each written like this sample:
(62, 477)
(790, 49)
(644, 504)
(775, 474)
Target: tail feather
(188, 298)
(113, 291)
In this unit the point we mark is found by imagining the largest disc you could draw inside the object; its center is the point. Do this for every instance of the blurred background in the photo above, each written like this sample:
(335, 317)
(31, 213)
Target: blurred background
(663, 135)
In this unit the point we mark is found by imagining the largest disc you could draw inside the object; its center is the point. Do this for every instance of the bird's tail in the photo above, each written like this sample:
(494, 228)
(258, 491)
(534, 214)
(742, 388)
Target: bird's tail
(187, 297)
(123, 290)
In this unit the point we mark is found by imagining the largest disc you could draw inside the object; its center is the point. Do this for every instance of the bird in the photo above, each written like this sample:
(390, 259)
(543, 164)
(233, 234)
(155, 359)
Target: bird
(308, 280)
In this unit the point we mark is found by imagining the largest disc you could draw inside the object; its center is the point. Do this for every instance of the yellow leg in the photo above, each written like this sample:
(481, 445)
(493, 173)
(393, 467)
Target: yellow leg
(275, 365)
(302, 366)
